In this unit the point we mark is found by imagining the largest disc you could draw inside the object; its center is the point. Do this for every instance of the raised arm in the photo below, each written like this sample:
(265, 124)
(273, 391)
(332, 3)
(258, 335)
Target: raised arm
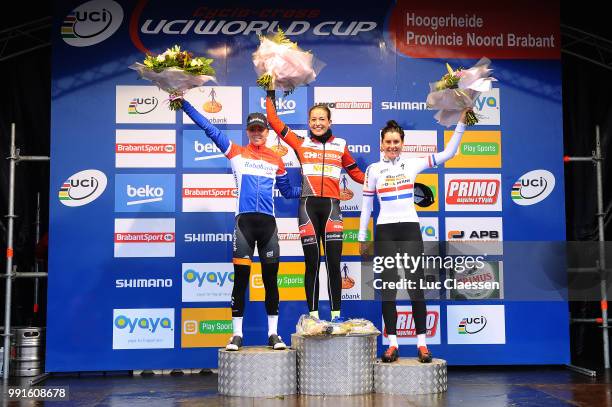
(349, 164)
(278, 125)
(367, 203)
(449, 152)
(222, 142)
(284, 185)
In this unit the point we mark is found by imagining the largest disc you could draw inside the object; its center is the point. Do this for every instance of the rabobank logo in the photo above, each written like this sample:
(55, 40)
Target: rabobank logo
(144, 192)
(91, 23)
(143, 328)
(205, 282)
(533, 187)
(291, 108)
(200, 152)
(82, 188)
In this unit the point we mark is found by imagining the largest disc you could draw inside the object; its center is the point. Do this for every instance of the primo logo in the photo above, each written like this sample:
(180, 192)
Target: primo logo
(91, 23)
(218, 278)
(142, 105)
(147, 324)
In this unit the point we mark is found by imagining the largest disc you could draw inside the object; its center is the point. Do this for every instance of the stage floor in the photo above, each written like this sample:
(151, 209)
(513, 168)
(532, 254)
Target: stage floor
(474, 387)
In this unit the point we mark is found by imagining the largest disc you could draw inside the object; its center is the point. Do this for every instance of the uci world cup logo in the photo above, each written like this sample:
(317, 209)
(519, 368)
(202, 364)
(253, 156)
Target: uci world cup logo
(345, 193)
(91, 23)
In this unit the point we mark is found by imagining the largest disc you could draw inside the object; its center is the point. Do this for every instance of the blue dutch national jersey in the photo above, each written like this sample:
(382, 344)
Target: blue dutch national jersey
(256, 169)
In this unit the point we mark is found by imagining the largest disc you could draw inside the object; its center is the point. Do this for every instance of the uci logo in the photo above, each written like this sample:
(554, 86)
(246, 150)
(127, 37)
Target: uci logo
(142, 105)
(91, 23)
(533, 187)
(472, 325)
(82, 188)
(147, 324)
(217, 278)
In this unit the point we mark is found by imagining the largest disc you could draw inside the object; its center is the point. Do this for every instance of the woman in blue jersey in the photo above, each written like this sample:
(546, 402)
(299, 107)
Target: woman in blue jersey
(397, 227)
(257, 169)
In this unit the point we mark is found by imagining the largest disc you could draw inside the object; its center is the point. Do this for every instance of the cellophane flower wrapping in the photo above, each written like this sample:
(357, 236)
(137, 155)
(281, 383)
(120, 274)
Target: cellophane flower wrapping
(281, 64)
(311, 326)
(457, 91)
(175, 72)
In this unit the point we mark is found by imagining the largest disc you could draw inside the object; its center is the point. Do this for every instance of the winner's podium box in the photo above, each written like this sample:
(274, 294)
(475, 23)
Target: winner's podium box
(257, 371)
(408, 376)
(335, 365)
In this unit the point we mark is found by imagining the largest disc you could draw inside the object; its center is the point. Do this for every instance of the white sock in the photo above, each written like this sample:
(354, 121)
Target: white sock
(237, 326)
(421, 340)
(272, 325)
(393, 341)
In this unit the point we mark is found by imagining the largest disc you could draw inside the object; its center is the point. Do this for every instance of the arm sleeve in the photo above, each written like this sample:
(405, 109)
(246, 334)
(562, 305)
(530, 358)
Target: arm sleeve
(283, 183)
(222, 142)
(449, 152)
(369, 189)
(349, 164)
(278, 125)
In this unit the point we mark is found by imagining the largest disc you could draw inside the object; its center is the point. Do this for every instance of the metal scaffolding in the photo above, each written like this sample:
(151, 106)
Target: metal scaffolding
(11, 272)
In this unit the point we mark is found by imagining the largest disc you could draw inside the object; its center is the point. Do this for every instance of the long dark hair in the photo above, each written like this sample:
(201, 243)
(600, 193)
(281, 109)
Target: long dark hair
(322, 107)
(391, 127)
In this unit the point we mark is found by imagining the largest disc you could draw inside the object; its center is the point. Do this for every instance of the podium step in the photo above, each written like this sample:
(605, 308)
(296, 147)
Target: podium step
(335, 365)
(257, 371)
(407, 376)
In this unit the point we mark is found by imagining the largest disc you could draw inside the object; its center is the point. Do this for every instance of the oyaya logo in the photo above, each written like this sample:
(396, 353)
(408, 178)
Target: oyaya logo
(91, 23)
(82, 188)
(147, 324)
(533, 187)
(472, 325)
(140, 105)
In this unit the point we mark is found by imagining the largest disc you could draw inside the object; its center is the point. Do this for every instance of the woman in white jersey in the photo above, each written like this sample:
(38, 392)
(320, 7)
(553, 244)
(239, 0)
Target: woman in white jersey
(397, 227)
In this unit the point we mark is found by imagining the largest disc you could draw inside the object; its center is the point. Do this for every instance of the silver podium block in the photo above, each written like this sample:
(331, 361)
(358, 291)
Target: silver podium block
(408, 376)
(335, 365)
(257, 371)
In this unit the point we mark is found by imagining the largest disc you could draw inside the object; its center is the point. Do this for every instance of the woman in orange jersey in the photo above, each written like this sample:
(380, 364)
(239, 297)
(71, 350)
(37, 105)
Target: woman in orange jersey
(322, 156)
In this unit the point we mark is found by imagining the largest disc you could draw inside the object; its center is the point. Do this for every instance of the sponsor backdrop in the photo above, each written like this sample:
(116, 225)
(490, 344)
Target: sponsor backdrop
(141, 229)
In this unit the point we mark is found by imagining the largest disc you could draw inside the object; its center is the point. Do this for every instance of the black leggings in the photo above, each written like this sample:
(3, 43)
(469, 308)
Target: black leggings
(252, 228)
(402, 238)
(320, 222)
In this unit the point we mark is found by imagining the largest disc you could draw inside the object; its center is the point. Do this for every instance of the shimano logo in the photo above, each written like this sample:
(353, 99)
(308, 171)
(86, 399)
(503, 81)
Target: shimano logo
(403, 105)
(143, 283)
(207, 237)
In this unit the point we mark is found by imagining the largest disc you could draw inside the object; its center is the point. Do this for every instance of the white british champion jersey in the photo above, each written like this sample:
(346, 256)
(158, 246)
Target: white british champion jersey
(393, 183)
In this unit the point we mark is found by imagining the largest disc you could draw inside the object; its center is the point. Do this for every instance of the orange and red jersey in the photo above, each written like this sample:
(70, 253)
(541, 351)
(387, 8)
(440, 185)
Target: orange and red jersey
(322, 162)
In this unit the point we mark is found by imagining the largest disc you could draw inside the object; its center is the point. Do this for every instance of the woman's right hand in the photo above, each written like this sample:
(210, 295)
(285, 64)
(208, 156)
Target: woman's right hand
(464, 113)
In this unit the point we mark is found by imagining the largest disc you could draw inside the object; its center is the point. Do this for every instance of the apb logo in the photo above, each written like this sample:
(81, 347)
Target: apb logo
(82, 188)
(533, 187)
(91, 23)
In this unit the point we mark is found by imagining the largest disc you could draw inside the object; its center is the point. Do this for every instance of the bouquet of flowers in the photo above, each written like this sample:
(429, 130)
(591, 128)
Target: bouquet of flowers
(281, 64)
(458, 90)
(175, 71)
(311, 326)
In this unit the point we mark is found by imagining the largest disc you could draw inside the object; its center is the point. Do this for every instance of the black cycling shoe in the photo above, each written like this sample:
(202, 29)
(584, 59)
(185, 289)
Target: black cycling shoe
(424, 355)
(235, 343)
(390, 355)
(276, 342)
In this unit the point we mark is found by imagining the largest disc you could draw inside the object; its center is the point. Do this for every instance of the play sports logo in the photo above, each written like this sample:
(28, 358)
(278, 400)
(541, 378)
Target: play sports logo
(205, 327)
(406, 329)
(91, 23)
(82, 188)
(533, 187)
(144, 238)
(144, 192)
(347, 105)
(143, 328)
(207, 282)
(142, 104)
(473, 192)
